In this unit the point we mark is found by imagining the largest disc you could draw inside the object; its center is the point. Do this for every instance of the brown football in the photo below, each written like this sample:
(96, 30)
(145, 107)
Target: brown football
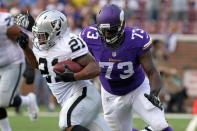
(74, 66)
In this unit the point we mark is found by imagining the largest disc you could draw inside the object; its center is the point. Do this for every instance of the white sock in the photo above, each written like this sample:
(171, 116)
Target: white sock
(5, 125)
(25, 100)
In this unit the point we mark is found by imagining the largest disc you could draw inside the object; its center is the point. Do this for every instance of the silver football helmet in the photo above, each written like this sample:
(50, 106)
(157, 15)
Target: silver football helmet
(49, 26)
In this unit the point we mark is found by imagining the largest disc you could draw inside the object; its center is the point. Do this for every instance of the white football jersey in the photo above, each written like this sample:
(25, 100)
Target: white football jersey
(10, 52)
(69, 46)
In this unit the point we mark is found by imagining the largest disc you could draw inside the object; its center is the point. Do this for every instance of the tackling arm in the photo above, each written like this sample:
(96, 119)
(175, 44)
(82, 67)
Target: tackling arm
(152, 73)
(15, 34)
(23, 41)
(31, 59)
(155, 80)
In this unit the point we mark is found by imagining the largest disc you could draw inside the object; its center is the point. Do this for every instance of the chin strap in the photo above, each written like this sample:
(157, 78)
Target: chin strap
(116, 44)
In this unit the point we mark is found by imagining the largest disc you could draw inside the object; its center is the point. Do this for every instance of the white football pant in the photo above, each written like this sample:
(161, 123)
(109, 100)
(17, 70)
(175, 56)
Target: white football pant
(83, 108)
(118, 109)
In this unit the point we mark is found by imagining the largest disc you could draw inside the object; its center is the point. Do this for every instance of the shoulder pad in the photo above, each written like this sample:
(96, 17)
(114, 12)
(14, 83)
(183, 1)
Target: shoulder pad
(141, 40)
(138, 37)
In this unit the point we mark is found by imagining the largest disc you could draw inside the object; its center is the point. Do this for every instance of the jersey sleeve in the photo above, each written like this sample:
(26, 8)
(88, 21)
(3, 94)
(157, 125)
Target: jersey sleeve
(78, 47)
(144, 42)
(82, 34)
(90, 36)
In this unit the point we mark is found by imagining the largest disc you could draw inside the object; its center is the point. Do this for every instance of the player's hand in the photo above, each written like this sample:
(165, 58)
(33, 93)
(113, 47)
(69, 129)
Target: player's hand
(67, 76)
(21, 20)
(154, 100)
(23, 40)
(24, 20)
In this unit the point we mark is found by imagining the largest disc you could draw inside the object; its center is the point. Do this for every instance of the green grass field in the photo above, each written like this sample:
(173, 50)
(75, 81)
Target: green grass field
(177, 124)
(50, 122)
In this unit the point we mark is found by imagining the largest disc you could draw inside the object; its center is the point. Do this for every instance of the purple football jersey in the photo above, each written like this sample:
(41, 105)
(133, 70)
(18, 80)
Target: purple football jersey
(121, 71)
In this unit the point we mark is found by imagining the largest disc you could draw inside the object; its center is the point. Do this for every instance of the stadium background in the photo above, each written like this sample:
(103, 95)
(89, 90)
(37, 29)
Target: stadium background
(173, 27)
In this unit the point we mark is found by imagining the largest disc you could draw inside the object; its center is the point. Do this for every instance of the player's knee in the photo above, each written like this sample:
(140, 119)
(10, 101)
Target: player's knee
(3, 113)
(16, 102)
(79, 128)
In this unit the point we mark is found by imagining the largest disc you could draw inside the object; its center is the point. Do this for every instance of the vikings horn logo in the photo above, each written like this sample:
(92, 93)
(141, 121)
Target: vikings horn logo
(56, 25)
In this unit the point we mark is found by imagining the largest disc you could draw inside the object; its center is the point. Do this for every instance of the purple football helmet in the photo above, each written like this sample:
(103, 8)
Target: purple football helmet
(110, 24)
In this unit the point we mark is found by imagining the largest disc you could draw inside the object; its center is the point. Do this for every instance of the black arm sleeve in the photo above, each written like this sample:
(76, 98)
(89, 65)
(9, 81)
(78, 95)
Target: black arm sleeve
(31, 22)
(23, 40)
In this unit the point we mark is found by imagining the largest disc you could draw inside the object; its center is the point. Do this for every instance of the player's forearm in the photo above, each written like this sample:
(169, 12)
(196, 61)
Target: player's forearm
(13, 32)
(91, 71)
(155, 82)
(31, 59)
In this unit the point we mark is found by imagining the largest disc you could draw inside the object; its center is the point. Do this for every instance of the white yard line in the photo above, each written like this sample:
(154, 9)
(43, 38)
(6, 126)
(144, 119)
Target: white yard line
(193, 124)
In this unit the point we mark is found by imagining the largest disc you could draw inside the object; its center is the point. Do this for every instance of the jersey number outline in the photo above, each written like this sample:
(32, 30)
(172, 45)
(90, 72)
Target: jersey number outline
(8, 20)
(92, 35)
(43, 67)
(76, 44)
(137, 32)
(127, 72)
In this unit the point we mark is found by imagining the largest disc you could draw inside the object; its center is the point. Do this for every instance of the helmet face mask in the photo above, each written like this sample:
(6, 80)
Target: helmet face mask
(110, 25)
(42, 37)
(110, 34)
(49, 26)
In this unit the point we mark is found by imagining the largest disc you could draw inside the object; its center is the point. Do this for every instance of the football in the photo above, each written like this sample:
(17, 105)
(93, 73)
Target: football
(74, 66)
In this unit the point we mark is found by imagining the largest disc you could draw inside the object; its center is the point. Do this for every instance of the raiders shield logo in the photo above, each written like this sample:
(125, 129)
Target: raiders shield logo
(56, 25)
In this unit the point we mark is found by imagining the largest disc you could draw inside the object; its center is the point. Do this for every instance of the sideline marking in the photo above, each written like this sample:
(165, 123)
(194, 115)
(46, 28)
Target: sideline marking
(192, 124)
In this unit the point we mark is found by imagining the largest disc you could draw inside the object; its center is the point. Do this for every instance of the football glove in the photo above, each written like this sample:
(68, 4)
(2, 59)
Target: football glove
(154, 100)
(24, 20)
(23, 40)
(67, 76)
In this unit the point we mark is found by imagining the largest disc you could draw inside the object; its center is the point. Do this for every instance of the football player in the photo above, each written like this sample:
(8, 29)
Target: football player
(78, 97)
(12, 66)
(130, 80)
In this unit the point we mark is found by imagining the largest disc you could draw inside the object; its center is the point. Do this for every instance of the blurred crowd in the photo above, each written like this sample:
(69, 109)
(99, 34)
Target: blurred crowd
(168, 17)
(174, 94)
(155, 16)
